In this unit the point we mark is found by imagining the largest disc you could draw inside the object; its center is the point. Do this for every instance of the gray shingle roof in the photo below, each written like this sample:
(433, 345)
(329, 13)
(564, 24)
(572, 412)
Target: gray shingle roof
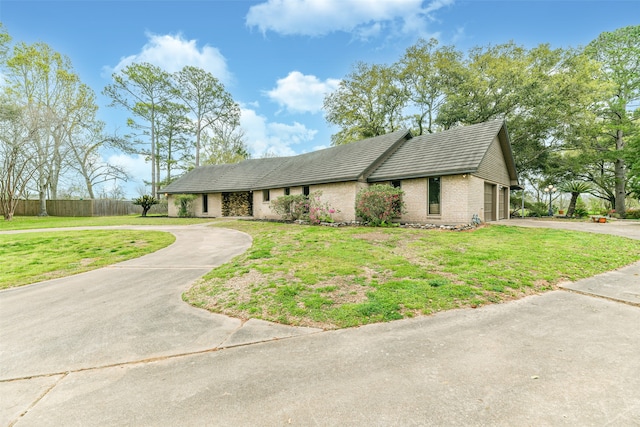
(383, 158)
(342, 163)
(457, 150)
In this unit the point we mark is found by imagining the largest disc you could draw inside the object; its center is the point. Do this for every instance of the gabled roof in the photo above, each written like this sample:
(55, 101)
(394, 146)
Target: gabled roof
(348, 162)
(454, 151)
(396, 155)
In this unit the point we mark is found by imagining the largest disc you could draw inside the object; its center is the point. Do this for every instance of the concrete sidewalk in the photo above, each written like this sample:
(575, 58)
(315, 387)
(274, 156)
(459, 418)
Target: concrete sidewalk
(621, 285)
(560, 358)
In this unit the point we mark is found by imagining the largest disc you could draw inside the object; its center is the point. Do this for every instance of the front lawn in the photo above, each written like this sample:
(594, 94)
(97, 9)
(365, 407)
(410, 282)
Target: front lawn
(32, 222)
(341, 277)
(32, 257)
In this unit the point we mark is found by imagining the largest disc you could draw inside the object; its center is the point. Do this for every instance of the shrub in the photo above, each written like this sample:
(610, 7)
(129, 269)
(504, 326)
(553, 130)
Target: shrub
(633, 214)
(379, 204)
(538, 209)
(146, 202)
(317, 210)
(184, 203)
(581, 209)
(291, 207)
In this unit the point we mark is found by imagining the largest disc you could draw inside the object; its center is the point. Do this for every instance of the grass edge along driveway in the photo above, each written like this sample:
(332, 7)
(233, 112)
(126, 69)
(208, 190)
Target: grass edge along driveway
(343, 277)
(27, 258)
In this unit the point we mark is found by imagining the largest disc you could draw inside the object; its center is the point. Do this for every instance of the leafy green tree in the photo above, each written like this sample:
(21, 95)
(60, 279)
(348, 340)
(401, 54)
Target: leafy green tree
(225, 144)
(540, 92)
(424, 72)
(173, 149)
(42, 83)
(207, 101)
(368, 102)
(633, 159)
(16, 165)
(576, 188)
(142, 89)
(5, 39)
(146, 202)
(619, 54)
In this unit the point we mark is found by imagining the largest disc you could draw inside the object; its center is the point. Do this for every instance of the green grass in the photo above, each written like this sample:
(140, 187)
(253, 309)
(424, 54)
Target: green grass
(32, 222)
(341, 277)
(32, 257)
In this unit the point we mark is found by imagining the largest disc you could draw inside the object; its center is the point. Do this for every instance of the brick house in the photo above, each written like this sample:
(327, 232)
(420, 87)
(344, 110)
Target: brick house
(447, 177)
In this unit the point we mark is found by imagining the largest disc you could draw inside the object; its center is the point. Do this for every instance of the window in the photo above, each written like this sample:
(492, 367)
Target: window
(287, 191)
(305, 190)
(396, 184)
(266, 195)
(433, 196)
(205, 203)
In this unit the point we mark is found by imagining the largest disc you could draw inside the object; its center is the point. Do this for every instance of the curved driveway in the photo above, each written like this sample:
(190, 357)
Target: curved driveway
(560, 358)
(127, 312)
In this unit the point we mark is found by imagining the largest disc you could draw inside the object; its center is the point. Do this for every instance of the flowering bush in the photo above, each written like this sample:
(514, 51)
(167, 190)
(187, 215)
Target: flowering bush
(379, 204)
(319, 211)
(299, 206)
(291, 207)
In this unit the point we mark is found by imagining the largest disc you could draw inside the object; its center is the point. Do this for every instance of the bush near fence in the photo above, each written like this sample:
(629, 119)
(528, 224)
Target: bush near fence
(97, 207)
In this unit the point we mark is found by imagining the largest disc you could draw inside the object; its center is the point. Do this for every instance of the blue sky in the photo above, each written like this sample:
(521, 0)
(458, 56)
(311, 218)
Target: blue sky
(279, 57)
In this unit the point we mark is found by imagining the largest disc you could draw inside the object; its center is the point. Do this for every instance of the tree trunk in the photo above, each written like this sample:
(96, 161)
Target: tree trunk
(620, 191)
(572, 204)
(42, 188)
(43, 202)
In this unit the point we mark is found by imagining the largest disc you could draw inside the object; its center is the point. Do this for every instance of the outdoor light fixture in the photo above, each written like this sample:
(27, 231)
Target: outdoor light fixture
(550, 189)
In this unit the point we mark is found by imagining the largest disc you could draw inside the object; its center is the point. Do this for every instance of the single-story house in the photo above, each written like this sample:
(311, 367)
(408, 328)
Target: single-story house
(447, 177)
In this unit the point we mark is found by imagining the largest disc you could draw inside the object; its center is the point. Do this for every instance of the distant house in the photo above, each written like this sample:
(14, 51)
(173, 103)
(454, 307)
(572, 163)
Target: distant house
(447, 177)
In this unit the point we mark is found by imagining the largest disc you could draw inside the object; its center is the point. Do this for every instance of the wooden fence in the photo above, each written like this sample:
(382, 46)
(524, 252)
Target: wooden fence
(97, 207)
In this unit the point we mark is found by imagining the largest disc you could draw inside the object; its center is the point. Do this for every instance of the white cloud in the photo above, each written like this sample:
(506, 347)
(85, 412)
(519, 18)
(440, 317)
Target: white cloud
(172, 52)
(272, 137)
(365, 18)
(300, 93)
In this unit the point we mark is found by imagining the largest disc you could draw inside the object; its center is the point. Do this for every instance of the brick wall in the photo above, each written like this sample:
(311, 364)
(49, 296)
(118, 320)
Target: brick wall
(415, 200)
(341, 196)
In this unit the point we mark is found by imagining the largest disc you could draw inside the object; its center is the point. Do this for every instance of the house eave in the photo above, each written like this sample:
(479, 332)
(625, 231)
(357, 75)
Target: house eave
(423, 175)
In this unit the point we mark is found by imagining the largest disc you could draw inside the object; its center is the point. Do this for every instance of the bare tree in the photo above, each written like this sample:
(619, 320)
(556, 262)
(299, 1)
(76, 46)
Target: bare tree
(16, 167)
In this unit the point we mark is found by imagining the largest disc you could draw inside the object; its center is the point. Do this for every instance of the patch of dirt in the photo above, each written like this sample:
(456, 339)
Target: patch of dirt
(374, 236)
(348, 290)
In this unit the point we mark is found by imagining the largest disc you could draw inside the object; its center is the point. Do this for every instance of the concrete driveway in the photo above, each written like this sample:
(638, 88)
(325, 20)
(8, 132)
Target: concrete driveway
(89, 350)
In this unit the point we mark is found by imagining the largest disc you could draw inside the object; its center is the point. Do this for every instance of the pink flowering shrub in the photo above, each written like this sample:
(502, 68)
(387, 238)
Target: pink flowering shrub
(298, 206)
(379, 204)
(319, 211)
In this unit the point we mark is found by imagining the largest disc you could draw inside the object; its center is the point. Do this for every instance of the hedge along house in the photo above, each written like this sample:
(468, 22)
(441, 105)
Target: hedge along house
(447, 177)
